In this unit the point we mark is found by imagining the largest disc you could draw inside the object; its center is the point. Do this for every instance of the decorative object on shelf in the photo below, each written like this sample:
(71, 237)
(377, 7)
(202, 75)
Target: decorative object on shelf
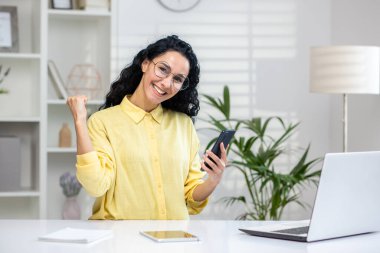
(345, 70)
(71, 188)
(56, 80)
(10, 163)
(62, 4)
(84, 79)
(65, 136)
(94, 5)
(3, 75)
(255, 153)
(8, 29)
(179, 5)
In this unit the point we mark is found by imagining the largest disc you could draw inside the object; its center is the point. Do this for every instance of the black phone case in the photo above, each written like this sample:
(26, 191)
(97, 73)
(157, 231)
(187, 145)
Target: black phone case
(225, 137)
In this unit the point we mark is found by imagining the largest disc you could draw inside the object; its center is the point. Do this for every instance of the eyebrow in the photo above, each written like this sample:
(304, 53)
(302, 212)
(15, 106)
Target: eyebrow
(181, 75)
(167, 65)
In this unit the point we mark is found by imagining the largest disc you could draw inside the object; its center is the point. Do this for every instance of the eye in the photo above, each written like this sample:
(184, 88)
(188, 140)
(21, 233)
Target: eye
(163, 69)
(179, 79)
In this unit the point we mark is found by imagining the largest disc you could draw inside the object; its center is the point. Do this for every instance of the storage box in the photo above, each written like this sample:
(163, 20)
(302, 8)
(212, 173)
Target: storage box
(10, 163)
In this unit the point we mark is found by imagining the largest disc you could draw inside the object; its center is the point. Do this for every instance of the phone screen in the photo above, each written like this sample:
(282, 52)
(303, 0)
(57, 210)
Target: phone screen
(225, 137)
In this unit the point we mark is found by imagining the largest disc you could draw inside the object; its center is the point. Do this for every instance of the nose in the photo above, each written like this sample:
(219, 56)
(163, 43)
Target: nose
(167, 81)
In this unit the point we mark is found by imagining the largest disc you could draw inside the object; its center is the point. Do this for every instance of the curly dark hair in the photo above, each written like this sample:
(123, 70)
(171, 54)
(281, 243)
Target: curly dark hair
(185, 101)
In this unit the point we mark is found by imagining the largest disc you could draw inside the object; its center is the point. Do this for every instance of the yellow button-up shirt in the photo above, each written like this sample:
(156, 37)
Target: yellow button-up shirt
(145, 165)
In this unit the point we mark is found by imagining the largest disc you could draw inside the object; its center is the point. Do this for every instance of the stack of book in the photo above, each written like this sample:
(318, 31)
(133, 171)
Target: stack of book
(94, 5)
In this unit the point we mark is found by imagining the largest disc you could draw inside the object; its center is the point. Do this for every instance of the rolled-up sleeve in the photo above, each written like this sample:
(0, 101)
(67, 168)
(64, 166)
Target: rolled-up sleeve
(95, 170)
(195, 177)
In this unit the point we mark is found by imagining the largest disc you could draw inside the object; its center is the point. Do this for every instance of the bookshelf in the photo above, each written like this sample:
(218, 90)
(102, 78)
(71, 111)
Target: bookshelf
(73, 37)
(22, 111)
(34, 113)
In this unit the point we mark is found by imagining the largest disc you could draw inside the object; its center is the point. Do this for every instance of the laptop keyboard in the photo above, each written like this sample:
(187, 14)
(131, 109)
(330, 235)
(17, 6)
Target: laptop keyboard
(295, 231)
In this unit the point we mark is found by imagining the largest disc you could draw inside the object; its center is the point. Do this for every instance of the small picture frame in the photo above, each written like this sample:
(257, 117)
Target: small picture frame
(9, 41)
(62, 4)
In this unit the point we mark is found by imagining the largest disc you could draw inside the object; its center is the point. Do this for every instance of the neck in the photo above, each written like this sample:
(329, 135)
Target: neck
(139, 100)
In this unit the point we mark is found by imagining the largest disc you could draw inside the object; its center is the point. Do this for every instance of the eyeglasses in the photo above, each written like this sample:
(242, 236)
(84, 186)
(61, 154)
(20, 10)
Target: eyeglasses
(163, 70)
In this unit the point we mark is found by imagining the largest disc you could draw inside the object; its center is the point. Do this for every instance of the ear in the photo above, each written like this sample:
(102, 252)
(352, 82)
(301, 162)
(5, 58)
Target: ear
(144, 65)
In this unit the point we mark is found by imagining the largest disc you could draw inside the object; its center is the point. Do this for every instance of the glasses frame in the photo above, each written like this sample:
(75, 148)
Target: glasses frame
(185, 83)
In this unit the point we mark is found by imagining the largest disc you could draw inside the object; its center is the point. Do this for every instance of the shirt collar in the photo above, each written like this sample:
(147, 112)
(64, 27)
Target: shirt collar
(138, 114)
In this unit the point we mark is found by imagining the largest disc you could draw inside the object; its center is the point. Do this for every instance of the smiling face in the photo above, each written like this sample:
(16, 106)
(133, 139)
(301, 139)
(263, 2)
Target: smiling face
(154, 90)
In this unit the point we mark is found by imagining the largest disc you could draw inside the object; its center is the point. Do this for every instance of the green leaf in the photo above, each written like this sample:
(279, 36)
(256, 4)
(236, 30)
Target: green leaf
(255, 155)
(229, 201)
(226, 97)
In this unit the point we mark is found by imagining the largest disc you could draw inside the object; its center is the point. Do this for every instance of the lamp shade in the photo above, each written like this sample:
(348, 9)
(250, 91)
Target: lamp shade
(345, 69)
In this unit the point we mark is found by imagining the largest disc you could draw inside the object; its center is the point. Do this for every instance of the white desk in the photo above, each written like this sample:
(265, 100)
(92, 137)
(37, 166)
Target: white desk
(216, 236)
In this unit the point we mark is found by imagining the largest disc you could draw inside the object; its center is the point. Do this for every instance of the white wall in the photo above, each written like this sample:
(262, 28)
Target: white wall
(284, 86)
(356, 22)
(268, 76)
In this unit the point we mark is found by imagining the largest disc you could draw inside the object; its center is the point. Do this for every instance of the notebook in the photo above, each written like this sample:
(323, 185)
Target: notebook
(347, 201)
(75, 235)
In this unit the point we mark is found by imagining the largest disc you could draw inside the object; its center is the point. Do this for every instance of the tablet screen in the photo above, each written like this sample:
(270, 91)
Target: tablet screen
(170, 235)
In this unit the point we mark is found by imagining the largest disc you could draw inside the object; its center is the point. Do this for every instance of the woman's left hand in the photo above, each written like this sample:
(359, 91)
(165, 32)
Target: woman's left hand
(217, 164)
(215, 174)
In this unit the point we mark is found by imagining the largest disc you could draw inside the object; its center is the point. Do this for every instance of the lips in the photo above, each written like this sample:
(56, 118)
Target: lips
(159, 91)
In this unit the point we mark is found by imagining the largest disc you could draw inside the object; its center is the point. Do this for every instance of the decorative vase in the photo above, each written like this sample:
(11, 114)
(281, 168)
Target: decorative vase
(65, 136)
(71, 209)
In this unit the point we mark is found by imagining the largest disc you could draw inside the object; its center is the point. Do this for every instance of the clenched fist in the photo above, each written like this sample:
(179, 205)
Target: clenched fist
(77, 105)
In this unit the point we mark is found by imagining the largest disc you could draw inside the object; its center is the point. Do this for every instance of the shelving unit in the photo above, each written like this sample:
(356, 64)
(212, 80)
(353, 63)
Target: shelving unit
(22, 111)
(33, 111)
(88, 41)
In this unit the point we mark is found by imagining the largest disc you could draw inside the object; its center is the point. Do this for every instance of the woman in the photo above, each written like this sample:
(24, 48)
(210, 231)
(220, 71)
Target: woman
(139, 154)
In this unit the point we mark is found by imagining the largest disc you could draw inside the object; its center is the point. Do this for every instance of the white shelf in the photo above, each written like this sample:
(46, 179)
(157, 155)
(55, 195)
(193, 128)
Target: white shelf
(61, 150)
(22, 56)
(20, 119)
(20, 194)
(63, 102)
(78, 13)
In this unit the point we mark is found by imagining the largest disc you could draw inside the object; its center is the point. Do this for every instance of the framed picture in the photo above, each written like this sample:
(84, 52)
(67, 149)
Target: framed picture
(62, 4)
(8, 29)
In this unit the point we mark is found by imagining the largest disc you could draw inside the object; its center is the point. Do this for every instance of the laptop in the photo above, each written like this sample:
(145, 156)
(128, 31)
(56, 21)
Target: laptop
(347, 201)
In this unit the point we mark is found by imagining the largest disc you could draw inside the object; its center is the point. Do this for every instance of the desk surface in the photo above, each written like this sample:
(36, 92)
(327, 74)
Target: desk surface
(216, 236)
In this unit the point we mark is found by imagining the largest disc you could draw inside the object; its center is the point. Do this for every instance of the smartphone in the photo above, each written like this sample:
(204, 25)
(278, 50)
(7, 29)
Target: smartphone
(170, 236)
(225, 137)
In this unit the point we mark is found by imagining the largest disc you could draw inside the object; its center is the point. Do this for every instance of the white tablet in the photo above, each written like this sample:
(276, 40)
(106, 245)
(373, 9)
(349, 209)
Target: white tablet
(170, 236)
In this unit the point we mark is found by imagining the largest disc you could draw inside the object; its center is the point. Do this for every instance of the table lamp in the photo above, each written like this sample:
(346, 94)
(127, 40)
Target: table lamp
(345, 70)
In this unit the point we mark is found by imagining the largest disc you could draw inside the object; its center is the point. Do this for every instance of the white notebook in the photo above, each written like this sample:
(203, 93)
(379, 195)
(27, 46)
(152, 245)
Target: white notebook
(75, 235)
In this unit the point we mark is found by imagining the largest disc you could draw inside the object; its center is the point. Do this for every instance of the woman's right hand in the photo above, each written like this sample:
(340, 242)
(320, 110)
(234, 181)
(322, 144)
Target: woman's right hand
(77, 105)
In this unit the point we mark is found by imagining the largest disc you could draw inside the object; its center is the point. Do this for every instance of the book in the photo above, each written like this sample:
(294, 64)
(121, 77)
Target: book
(56, 80)
(94, 5)
(75, 235)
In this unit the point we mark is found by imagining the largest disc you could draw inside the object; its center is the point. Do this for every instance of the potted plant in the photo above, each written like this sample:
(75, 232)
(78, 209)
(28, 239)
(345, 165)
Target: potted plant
(255, 152)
